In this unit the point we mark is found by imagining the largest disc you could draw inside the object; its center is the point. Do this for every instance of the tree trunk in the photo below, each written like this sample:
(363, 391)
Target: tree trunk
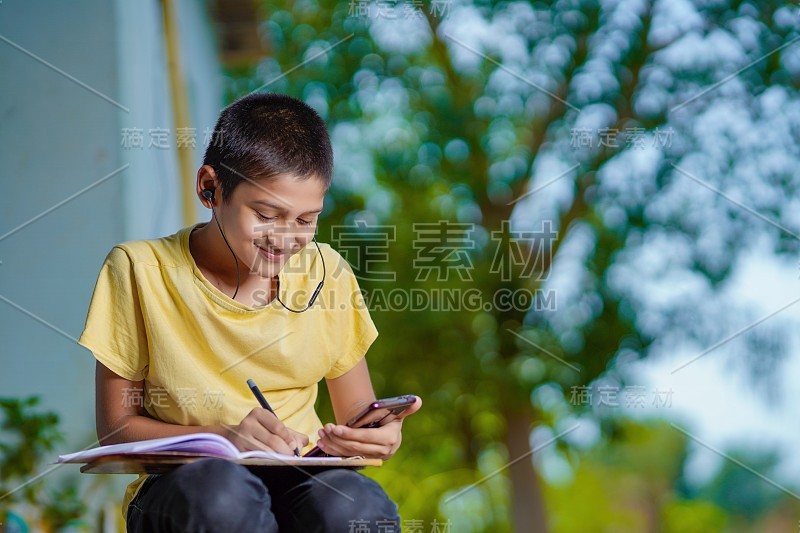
(527, 498)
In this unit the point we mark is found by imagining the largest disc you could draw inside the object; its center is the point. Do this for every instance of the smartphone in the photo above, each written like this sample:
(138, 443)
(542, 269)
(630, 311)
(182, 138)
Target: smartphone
(376, 414)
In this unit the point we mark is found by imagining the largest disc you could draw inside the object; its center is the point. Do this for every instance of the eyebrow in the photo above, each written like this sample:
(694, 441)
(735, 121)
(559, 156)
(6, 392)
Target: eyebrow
(279, 208)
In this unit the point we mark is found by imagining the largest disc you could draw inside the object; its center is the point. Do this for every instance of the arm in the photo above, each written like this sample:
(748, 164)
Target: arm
(121, 420)
(350, 393)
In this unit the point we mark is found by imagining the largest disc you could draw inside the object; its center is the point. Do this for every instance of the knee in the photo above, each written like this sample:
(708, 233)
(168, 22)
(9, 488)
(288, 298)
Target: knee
(219, 495)
(350, 501)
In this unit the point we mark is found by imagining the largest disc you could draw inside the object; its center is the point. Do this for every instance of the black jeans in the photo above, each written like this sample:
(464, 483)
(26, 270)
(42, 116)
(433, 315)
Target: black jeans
(218, 495)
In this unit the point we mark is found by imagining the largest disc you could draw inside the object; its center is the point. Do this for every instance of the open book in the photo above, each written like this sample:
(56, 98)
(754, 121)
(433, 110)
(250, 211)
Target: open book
(193, 443)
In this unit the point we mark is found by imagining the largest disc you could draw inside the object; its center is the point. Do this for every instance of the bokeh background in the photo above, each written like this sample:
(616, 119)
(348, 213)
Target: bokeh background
(576, 225)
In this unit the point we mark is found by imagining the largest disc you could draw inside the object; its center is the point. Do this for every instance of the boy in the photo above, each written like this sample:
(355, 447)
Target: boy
(179, 324)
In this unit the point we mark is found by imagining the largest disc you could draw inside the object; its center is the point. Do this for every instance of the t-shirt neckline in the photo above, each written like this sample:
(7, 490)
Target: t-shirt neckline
(212, 290)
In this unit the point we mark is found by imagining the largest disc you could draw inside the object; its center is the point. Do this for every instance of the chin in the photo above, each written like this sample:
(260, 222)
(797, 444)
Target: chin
(271, 270)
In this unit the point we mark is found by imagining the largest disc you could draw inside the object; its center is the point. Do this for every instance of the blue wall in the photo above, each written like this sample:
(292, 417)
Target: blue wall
(74, 75)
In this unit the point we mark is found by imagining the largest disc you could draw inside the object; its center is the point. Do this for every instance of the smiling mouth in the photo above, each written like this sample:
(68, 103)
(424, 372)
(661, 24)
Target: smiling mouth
(269, 254)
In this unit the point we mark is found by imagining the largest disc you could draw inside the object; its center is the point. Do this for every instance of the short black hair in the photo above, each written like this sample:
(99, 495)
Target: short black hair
(263, 135)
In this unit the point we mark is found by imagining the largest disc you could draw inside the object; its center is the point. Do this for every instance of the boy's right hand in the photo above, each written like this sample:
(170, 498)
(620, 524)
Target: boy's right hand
(261, 430)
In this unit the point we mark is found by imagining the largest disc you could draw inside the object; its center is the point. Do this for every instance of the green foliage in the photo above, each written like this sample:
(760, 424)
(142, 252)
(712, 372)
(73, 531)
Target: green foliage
(27, 441)
(65, 505)
(622, 482)
(595, 501)
(740, 492)
(693, 517)
(28, 437)
(433, 140)
(626, 483)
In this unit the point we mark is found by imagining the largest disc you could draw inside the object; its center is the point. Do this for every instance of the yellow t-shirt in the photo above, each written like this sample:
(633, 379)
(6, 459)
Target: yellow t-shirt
(154, 316)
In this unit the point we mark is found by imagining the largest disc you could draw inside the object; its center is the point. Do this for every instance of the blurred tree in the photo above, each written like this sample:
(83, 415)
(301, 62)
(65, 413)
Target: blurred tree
(651, 136)
(27, 438)
(693, 517)
(738, 492)
(782, 517)
(627, 482)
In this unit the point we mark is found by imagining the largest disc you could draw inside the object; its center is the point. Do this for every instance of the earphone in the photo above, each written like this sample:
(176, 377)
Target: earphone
(208, 194)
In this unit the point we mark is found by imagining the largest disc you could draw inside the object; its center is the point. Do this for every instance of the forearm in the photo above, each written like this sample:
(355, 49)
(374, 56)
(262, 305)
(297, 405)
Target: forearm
(351, 392)
(120, 414)
(131, 428)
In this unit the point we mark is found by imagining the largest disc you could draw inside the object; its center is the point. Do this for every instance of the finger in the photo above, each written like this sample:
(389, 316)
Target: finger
(301, 436)
(275, 426)
(266, 439)
(349, 448)
(300, 439)
(304, 440)
(247, 434)
(249, 443)
(365, 435)
(412, 409)
(334, 449)
(269, 441)
(380, 447)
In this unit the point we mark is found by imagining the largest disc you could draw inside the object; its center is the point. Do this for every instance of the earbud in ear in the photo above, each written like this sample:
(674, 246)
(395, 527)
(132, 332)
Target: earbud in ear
(208, 194)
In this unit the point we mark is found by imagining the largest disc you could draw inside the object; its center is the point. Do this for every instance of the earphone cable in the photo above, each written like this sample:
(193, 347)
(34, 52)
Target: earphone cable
(209, 195)
(229, 248)
(316, 291)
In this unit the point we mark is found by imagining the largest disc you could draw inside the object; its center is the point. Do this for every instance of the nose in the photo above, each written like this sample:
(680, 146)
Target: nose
(286, 239)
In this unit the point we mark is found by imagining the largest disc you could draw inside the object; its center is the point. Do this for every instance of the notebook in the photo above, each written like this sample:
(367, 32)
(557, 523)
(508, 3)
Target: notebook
(193, 443)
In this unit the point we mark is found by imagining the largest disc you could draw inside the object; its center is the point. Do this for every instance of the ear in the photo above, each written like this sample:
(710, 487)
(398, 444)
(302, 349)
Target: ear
(207, 179)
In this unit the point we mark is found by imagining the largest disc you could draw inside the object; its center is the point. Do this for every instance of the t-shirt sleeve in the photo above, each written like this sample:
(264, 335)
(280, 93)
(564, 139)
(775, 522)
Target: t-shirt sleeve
(357, 328)
(114, 330)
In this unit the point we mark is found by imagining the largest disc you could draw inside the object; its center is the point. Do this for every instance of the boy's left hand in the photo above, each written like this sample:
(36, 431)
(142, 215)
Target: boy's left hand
(380, 443)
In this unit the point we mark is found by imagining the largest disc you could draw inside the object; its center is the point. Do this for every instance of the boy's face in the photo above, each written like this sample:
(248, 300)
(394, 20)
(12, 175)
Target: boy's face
(268, 221)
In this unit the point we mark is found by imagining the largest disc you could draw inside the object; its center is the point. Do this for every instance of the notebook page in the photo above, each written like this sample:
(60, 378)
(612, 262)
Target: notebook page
(210, 443)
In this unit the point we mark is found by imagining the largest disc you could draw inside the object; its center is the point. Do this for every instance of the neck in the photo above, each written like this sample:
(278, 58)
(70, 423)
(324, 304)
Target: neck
(212, 254)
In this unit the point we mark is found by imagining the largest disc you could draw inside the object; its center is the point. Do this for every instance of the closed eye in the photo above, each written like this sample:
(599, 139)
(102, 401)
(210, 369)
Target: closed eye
(270, 219)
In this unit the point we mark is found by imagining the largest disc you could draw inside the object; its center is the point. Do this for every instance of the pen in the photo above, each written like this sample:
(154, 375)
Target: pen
(264, 404)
